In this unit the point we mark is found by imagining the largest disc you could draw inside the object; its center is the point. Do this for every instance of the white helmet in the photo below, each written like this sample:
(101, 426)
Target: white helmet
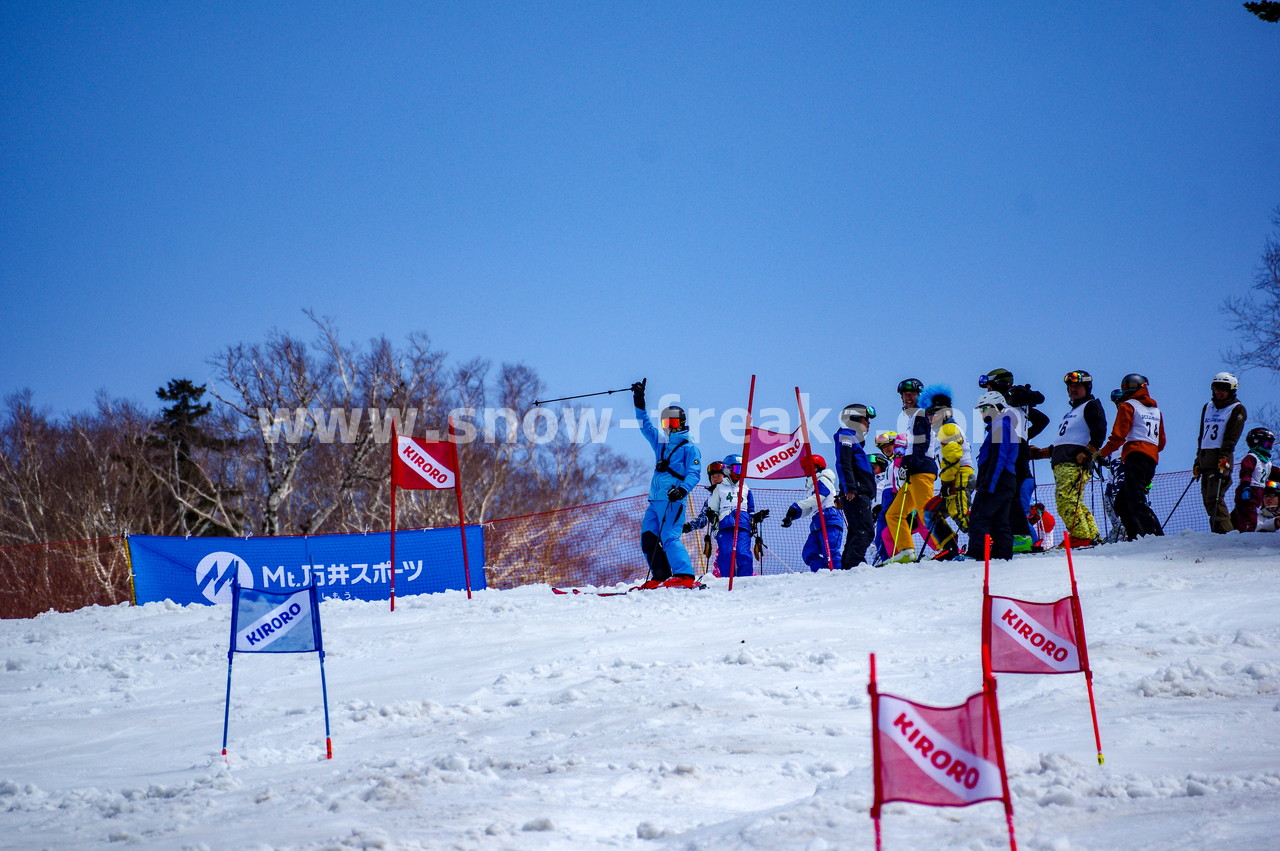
(1227, 379)
(990, 398)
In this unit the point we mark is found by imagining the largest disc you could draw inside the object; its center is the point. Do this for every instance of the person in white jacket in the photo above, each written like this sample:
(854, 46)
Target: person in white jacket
(815, 551)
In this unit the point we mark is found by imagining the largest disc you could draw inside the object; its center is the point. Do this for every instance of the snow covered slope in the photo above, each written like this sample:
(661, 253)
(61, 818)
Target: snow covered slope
(666, 719)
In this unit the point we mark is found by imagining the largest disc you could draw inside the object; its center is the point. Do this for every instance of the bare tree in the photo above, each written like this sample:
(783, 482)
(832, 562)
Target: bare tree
(272, 386)
(1256, 319)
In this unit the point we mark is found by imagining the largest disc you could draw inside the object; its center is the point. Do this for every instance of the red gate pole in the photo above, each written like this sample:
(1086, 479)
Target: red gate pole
(1084, 648)
(742, 481)
(394, 441)
(875, 750)
(822, 518)
(462, 520)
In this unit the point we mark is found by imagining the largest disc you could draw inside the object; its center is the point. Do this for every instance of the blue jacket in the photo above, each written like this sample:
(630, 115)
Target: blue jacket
(684, 461)
(852, 465)
(999, 451)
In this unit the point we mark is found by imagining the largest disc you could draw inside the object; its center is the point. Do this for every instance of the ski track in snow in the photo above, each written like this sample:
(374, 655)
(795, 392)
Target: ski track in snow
(665, 719)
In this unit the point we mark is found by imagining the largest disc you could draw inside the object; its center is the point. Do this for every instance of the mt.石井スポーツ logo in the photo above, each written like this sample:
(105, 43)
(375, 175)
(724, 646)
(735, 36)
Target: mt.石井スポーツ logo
(215, 572)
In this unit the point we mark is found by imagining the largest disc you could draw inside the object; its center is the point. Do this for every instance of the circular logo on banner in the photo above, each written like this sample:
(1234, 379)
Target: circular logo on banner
(214, 575)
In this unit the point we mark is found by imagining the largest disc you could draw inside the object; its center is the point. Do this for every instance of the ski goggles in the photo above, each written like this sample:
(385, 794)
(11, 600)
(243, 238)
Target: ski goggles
(1077, 377)
(671, 423)
(735, 469)
(1000, 379)
(909, 385)
(1119, 395)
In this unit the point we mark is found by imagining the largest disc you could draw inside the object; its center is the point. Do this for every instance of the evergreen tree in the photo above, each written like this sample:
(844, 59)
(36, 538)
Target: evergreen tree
(1267, 10)
(196, 501)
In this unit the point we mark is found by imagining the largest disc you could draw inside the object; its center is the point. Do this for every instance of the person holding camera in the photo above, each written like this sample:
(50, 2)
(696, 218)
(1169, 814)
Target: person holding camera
(1021, 400)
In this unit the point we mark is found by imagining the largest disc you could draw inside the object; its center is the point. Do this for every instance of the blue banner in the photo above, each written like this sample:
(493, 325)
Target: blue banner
(351, 567)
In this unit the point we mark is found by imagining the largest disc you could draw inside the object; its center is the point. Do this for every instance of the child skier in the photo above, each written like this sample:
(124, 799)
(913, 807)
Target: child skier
(1254, 470)
(722, 510)
(815, 551)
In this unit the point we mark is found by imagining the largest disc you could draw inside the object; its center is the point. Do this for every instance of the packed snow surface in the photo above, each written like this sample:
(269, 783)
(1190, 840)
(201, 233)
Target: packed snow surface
(666, 719)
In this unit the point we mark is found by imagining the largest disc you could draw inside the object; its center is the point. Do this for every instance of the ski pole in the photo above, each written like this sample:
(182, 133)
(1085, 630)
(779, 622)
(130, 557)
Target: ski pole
(1176, 504)
(771, 552)
(537, 403)
(928, 533)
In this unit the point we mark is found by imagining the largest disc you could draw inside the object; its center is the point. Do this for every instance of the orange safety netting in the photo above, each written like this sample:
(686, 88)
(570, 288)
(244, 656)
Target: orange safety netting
(595, 544)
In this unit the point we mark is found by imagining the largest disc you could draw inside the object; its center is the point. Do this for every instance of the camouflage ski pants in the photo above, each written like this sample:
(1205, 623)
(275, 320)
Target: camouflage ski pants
(1070, 481)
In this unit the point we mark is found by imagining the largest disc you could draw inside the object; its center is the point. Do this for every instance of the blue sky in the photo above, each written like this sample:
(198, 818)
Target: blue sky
(829, 195)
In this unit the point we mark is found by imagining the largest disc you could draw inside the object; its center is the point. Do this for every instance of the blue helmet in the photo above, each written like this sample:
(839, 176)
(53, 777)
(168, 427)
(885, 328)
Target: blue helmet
(732, 465)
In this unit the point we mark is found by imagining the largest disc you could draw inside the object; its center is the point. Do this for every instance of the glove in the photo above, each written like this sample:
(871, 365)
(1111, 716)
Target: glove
(792, 514)
(706, 546)
(1082, 458)
(760, 515)
(1246, 495)
(1224, 466)
(710, 514)
(637, 393)
(1040, 454)
(1195, 470)
(676, 493)
(686, 529)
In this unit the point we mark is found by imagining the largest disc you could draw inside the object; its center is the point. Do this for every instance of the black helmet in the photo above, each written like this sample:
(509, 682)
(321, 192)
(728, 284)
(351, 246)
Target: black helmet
(1263, 437)
(673, 418)
(1130, 384)
(996, 379)
(856, 412)
(1079, 376)
(910, 385)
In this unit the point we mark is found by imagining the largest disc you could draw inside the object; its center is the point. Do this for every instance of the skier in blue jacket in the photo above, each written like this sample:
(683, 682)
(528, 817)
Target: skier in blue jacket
(857, 483)
(677, 471)
(997, 479)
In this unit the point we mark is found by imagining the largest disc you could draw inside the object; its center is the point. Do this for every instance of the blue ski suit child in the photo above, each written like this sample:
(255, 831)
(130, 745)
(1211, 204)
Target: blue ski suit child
(815, 552)
(720, 509)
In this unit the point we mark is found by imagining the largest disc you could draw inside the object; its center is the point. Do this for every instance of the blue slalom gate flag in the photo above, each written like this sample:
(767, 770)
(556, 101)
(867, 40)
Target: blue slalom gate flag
(275, 622)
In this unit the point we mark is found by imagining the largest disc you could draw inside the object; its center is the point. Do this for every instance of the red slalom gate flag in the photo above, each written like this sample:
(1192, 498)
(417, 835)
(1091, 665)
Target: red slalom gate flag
(948, 756)
(774, 456)
(418, 464)
(1021, 637)
(1033, 638)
